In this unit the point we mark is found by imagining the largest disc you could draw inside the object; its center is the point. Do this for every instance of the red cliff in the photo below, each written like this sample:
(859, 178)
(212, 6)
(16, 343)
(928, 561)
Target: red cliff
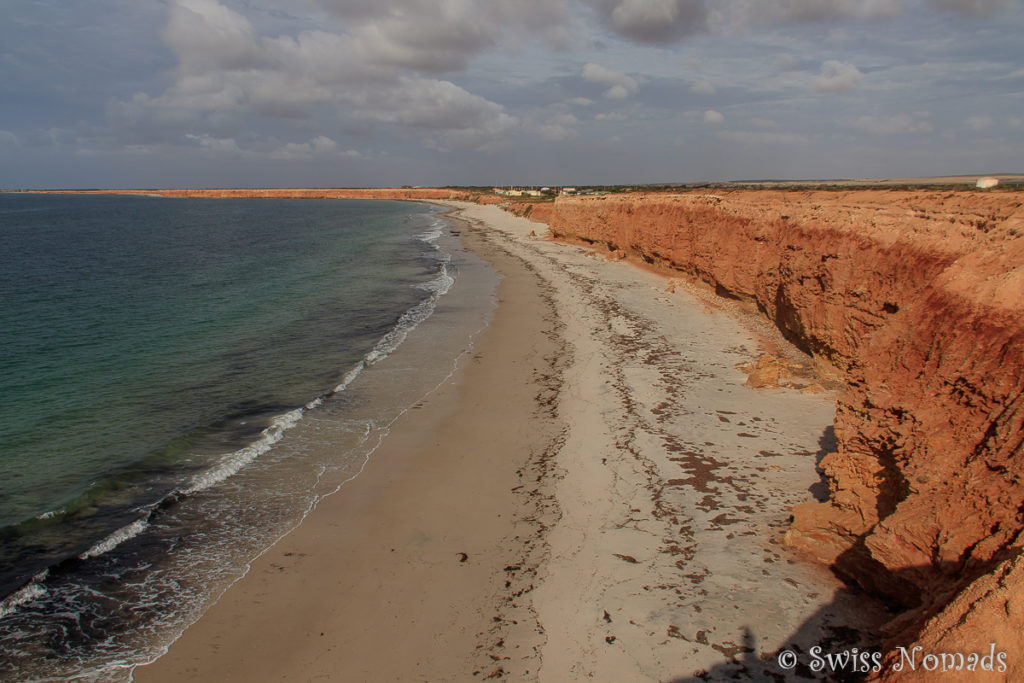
(917, 300)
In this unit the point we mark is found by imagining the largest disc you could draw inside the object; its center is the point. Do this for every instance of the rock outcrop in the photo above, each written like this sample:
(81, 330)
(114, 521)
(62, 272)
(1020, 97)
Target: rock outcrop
(916, 300)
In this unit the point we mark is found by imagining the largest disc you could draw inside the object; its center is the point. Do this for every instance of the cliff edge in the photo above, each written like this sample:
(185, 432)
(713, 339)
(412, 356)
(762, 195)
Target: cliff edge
(916, 300)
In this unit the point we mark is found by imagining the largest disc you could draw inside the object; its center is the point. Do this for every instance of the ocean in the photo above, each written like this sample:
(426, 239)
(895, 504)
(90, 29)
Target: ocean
(181, 381)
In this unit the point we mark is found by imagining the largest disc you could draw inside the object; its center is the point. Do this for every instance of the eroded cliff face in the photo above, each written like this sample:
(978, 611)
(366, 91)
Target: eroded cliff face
(917, 300)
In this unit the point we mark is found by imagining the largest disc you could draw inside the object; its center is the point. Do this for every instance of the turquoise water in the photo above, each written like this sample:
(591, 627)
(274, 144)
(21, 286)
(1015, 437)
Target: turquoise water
(180, 381)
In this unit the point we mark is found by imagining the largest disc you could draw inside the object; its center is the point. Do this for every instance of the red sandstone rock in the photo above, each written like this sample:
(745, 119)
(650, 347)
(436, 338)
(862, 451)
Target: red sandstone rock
(766, 372)
(918, 299)
(538, 212)
(986, 617)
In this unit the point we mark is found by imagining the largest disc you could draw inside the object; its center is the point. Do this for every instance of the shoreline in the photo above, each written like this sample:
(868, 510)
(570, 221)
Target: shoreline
(618, 495)
(447, 483)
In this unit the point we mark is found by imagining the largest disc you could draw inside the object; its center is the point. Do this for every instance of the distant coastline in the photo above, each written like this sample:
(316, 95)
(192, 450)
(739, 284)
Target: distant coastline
(1014, 181)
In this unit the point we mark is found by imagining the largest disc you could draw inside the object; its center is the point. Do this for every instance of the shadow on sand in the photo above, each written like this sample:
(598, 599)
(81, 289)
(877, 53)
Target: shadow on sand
(851, 636)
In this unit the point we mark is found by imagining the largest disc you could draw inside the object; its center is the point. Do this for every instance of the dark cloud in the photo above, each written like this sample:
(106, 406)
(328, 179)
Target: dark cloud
(438, 36)
(653, 21)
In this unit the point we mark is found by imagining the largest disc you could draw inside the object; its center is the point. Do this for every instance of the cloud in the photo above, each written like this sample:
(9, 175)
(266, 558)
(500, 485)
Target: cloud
(557, 128)
(703, 88)
(653, 21)
(218, 146)
(205, 33)
(838, 76)
(713, 117)
(785, 62)
(433, 46)
(438, 36)
(7, 138)
(306, 150)
(899, 124)
(751, 14)
(245, 79)
(980, 123)
(823, 10)
(975, 7)
(810, 11)
(760, 137)
(227, 72)
(620, 85)
(429, 103)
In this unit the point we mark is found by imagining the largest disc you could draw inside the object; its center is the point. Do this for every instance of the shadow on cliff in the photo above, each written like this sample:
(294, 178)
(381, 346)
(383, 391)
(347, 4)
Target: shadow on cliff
(858, 629)
(827, 443)
(865, 620)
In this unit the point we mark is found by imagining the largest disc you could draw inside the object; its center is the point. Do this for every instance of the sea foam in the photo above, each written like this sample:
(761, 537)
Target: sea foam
(32, 590)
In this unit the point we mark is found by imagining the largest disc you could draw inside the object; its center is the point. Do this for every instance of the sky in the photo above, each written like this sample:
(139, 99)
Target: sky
(364, 93)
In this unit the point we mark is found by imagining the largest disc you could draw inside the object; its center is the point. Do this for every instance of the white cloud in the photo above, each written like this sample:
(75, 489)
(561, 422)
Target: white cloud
(838, 76)
(703, 88)
(899, 124)
(620, 85)
(226, 71)
(218, 146)
(306, 150)
(206, 33)
(9, 138)
(431, 46)
(432, 104)
(713, 117)
(581, 101)
(611, 116)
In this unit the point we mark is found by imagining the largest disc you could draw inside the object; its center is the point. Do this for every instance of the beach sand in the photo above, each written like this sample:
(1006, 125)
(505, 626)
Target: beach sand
(596, 495)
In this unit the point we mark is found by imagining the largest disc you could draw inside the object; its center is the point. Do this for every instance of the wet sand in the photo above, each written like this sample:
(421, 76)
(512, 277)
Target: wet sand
(595, 495)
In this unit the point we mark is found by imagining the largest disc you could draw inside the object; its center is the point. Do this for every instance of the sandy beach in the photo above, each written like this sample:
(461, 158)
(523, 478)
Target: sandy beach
(595, 495)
